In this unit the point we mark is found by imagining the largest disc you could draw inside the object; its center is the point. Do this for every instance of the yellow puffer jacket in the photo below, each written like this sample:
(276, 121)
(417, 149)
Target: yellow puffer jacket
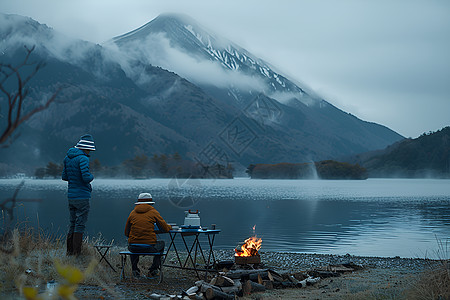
(140, 227)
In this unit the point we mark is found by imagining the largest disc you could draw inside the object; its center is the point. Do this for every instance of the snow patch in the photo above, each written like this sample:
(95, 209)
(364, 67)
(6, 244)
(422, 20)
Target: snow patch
(157, 50)
(195, 34)
(264, 71)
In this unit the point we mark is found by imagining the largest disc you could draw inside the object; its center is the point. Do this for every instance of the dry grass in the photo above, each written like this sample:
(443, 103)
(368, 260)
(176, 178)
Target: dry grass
(38, 261)
(434, 283)
(32, 258)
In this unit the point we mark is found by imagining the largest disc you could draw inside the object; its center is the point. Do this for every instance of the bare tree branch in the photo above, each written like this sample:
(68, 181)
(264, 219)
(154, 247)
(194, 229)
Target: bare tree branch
(16, 116)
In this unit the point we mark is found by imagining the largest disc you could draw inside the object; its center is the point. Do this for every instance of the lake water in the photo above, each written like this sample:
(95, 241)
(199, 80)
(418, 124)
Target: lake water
(375, 217)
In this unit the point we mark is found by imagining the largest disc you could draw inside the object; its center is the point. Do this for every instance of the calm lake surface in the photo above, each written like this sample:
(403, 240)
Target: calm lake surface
(375, 217)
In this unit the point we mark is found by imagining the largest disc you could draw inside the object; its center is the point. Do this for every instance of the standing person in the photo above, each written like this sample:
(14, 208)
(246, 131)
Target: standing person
(140, 230)
(76, 172)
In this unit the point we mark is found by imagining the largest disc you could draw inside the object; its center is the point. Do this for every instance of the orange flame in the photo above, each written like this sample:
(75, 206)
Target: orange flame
(250, 248)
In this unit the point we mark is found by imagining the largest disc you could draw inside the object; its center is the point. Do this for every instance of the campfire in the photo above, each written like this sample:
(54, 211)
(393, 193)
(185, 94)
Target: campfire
(248, 252)
(245, 276)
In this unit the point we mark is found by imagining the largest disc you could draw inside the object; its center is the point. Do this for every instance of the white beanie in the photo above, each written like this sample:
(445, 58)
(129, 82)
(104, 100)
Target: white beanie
(145, 198)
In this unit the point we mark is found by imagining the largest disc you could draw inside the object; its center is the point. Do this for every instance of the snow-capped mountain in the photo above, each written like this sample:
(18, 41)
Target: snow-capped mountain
(236, 77)
(169, 36)
(168, 87)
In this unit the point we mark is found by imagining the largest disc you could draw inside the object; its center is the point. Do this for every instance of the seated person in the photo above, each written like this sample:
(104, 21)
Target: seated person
(140, 230)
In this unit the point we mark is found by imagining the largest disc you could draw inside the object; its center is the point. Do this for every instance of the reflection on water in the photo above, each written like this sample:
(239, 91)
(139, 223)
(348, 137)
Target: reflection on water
(383, 217)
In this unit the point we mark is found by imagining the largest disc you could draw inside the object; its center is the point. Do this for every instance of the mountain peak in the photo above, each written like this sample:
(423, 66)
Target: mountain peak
(179, 17)
(167, 23)
(185, 35)
(12, 24)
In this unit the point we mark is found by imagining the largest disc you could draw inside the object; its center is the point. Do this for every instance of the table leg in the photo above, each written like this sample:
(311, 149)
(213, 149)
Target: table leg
(189, 253)
(211, 252)
(190, 249)
(198, 246)
(172, 243)
(168, 248)
(196, 243)
(203, 256)
(201, 251)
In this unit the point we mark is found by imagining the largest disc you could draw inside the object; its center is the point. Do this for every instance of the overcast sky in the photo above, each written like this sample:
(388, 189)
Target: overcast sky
(384, 61)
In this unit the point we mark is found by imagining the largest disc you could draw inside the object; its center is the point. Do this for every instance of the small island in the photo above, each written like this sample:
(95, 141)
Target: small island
(327, 169)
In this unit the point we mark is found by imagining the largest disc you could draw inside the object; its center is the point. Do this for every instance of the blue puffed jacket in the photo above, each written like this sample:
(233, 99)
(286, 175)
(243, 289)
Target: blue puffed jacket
(76, 172)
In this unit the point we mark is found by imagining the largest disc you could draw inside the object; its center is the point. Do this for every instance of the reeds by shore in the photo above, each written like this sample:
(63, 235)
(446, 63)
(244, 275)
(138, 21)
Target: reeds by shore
(434, 283)
(34, 265)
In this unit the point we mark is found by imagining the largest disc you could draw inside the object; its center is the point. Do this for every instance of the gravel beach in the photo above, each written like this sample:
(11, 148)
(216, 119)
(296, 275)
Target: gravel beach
(378, 278)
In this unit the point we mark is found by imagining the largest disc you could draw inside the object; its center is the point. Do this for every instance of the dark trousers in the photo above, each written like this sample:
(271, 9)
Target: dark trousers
(79, 210)
(146, 248)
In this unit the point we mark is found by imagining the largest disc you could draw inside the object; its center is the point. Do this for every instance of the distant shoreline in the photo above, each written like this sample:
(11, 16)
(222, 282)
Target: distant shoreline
(235, 178)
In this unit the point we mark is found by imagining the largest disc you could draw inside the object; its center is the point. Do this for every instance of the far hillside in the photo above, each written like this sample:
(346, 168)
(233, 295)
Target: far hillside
(425, 156)
(327, 169)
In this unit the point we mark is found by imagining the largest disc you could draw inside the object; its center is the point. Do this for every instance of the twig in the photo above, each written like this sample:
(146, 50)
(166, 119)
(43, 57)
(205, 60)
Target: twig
(15, 99)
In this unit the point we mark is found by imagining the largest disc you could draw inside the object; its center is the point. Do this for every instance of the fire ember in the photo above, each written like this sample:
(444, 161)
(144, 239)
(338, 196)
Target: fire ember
(248, 252)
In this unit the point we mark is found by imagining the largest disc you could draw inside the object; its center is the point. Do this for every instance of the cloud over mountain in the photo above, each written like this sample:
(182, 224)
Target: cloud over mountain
(172, 86)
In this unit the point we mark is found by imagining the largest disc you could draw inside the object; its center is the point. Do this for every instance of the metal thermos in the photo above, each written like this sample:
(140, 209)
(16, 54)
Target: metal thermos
(192, 219)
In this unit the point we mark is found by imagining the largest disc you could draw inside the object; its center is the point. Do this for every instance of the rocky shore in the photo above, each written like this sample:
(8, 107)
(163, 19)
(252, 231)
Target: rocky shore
(303, 261)
(377, 277)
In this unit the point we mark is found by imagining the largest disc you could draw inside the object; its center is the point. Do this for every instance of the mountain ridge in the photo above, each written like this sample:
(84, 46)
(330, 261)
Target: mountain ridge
(132, 106)
(188, 28)
(425, 156)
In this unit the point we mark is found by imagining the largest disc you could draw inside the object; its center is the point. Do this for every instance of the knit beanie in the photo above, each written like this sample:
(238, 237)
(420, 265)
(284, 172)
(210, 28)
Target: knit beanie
(86, 143)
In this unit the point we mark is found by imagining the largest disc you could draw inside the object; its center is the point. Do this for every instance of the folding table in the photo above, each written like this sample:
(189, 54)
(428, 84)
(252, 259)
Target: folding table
(195, 246)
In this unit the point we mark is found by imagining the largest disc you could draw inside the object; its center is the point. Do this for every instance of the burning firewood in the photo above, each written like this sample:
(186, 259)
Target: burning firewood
(247, 260)
(250, 247)
(248, 252)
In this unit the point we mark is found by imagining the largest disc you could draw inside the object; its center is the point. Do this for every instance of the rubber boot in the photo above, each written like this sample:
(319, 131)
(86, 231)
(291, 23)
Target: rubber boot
(77, 241)
(69, 244)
